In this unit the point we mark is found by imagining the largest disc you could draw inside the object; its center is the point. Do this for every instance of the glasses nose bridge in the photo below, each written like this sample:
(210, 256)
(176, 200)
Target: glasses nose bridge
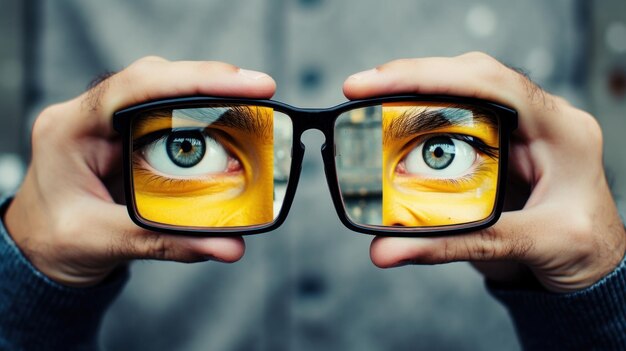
(322, 120)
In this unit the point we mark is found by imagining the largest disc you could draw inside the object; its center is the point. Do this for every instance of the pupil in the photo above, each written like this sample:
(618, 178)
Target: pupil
(438, 152)
(186, 146)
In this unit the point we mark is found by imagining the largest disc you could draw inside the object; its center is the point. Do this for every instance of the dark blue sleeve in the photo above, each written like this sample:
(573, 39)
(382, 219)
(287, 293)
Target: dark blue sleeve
(37, 313)
(591, 319)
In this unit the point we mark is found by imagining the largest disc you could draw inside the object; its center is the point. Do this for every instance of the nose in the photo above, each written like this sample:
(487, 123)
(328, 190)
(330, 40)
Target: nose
(399, 215)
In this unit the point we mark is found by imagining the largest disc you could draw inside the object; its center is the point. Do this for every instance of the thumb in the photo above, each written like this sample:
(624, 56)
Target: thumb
(503, 241)
(128, 241)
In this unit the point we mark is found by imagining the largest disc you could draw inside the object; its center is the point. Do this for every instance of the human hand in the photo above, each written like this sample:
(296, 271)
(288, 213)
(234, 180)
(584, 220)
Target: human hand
(64, 217)
(565, 227)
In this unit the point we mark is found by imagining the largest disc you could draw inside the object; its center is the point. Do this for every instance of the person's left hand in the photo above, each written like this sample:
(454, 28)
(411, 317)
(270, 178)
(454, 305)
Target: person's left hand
(567, 231)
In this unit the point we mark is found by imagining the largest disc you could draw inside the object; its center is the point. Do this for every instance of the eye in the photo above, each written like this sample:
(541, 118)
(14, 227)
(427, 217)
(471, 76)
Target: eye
(440, 157)
(188, 153)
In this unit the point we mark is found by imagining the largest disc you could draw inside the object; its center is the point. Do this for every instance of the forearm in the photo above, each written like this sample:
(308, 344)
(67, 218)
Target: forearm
(38, 313)
(590, 319)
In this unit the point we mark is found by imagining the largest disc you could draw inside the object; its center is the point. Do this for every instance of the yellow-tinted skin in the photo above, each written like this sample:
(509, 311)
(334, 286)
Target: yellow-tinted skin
(242, 195)
(421, 200)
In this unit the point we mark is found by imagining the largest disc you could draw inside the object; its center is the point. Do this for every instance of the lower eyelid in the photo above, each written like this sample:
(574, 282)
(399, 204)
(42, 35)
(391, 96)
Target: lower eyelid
(479, 166)
(152, 184)
(141, 165)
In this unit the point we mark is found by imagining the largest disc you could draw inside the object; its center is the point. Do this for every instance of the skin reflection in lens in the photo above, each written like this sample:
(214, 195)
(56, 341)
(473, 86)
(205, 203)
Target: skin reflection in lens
(204, 167)
(440, 164)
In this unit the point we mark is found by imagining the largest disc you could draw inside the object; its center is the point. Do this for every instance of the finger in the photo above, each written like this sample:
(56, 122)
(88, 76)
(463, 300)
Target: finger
(473, 75)
(153, 78)
(510, 239)
(460, 75)
(127, 241)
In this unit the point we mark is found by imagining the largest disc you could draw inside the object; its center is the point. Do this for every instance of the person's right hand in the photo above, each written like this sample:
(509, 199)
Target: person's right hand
(64, 218)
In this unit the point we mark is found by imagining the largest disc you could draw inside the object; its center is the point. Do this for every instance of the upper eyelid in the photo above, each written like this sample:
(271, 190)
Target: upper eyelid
(475, 142)
(225, 140)
(418, 121)
(144, 140)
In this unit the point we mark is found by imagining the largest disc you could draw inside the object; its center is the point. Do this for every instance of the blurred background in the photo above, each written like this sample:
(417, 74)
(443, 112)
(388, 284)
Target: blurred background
(309, 285)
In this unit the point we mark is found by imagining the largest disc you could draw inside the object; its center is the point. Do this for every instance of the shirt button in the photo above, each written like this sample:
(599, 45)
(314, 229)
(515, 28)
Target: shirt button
(311, 286)
(310, 78)
(309, 3)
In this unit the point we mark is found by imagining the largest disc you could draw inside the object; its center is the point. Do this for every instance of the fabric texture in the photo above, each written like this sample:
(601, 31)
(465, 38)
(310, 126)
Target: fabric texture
(590, 319)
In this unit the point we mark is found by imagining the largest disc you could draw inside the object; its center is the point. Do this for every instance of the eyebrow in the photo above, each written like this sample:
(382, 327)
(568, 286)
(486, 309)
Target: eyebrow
(417, 120)
(238, 117)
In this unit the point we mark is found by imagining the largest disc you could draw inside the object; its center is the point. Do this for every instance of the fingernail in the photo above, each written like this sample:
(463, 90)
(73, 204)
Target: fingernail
(364, 75)
(252, 74)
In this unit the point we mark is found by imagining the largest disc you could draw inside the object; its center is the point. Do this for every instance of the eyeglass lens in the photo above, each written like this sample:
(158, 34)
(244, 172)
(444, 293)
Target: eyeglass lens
(211, 167)
(417, 164)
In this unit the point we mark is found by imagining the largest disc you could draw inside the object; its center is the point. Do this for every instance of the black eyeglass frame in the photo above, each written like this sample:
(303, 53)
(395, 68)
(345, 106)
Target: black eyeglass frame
(303, 119)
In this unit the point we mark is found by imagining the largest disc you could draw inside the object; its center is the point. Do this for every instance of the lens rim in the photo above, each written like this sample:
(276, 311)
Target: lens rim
(303, 119)
(507, 122)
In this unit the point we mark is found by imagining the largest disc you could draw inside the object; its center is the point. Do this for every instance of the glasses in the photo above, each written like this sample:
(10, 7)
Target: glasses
(395, 165)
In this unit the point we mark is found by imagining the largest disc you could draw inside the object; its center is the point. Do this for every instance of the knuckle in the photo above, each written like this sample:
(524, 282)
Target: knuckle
(578, 232)
(519, 248)
(138, 70)
(158, 247)
(217, 66)
(580, 229)
(592, 128)
(477, 56)
(447, 254)
(561, 102)
(497, 246)
(395, 64)
(486, 66)
(142, 68)
(47, 122)
(582, 126)
(155, 246)
(483, 249)
(65, 229)
(149, 58)
(481, 60)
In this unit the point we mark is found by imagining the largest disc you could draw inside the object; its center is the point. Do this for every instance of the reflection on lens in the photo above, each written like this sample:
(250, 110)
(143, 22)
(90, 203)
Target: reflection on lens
(437, 164)
(358, 157)
(210, 167)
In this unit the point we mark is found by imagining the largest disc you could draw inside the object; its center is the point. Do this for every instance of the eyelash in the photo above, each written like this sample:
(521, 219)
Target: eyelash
(159, 181)
(481, 147)
(466, 179)
(155, 136)
(476, 143)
